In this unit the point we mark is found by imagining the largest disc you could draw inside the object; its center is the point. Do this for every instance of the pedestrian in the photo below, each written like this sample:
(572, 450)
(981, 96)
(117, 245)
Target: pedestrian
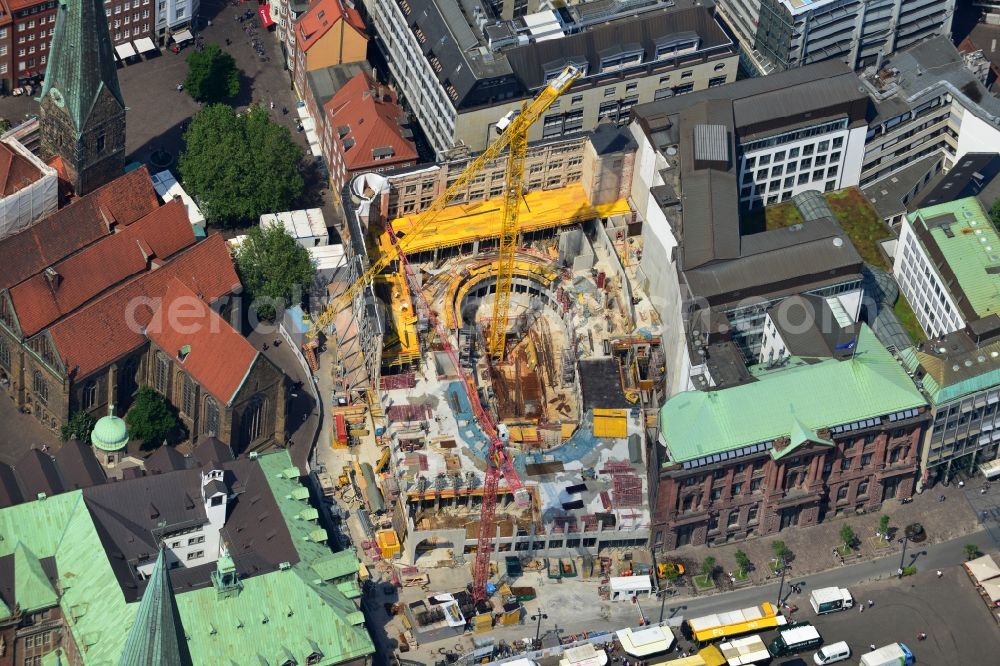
(872, 646)
(265, 346)
(272, 105)
(940, 573)
(921, 636)
(862, 607)
(961, 484)
(870, 603)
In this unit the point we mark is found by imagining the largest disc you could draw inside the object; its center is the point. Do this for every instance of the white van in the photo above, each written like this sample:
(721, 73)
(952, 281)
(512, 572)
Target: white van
(831, 654)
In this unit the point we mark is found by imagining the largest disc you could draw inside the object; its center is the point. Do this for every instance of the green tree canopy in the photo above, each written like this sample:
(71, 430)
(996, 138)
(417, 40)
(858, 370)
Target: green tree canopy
(239, 167)
(212, 75)
(150, 418)
(847, 535)
(742, 561)
(273, 267)
(79, 426)
(707, 566)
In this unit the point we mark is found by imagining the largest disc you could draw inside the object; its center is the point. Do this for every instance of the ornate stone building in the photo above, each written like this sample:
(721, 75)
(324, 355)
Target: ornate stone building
(82, 115)
(817, 438)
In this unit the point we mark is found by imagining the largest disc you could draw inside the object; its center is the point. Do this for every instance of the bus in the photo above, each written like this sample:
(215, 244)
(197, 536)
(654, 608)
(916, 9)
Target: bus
(733, 623)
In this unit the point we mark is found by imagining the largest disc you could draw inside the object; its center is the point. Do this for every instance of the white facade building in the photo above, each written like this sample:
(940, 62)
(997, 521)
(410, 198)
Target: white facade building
(29, 188)
(826, 156)
(174, 15)
(943, 263)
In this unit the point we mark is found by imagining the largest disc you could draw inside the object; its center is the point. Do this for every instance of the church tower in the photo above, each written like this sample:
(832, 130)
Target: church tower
(82, 116)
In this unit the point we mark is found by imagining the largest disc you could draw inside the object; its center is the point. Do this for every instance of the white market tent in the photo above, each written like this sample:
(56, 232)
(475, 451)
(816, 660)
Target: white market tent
(991, 589)
(583, 655)
(982, 569)
(144, 45)
(646, 642)
(125, 50)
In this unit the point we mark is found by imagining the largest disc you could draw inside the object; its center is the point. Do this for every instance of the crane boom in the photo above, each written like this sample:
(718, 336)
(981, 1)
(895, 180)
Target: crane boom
(517, 127)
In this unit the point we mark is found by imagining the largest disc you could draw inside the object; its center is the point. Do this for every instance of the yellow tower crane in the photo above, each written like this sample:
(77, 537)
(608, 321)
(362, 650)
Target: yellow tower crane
(513, 136)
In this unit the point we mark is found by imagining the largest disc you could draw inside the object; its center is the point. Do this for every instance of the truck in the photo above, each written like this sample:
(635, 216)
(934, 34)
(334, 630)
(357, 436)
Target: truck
(831, 599)
(894, 654)
(796, 638)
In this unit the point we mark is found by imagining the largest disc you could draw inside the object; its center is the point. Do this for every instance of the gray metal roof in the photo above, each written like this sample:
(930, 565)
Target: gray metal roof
(643, 32)
(890, 195)
(809, 328)
(325, 82)
(919, 72)
(974, 175)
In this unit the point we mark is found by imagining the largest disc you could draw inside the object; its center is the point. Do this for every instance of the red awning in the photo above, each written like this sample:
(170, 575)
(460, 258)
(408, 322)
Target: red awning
(265, 15)
(341, 429)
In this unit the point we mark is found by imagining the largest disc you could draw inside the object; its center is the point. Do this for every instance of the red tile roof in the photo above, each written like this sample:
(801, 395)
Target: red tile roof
(323, 15)
(370, 114)
(43, 298)
(72, 228)
(112, 326)
(16, 172)
(219, 358)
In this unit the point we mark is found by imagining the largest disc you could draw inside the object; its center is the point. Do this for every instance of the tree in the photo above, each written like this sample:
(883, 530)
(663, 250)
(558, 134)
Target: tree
(272, 267)
(212, 75)
(781, 551)
(971, 551)
(239, 167)
(847, 536)
(79, 427)
(4, 125)
(742, 562)
(707, 567)
(995, 214)
(883, 527)
(150, 418)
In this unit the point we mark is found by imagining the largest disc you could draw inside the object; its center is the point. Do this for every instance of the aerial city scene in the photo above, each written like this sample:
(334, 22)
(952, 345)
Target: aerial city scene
(499, 332)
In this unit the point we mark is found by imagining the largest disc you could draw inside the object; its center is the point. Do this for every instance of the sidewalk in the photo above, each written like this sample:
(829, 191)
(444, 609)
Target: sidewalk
(812, 547)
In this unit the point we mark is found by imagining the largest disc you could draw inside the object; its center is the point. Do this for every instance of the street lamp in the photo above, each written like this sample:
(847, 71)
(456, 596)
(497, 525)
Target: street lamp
(781, 585)
(538, 630)
(902, 555)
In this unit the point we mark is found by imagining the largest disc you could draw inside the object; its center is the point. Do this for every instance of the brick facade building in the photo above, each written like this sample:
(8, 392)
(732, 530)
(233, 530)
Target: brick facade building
(810, 440)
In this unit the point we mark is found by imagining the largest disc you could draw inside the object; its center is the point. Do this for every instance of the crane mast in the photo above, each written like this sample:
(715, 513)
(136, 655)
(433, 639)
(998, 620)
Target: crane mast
(514, 139)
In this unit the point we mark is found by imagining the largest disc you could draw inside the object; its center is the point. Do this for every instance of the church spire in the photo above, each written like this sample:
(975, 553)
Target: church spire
(82, 108)
(157, 636)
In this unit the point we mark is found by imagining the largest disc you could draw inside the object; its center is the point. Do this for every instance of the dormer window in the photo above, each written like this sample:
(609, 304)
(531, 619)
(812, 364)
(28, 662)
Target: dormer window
(673, 46)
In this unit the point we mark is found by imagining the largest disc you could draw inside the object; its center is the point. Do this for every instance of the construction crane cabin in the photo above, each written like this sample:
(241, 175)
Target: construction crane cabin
(513, 139)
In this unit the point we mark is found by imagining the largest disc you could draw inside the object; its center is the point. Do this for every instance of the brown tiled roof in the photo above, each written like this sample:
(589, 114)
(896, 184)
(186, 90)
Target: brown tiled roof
(68, 230)
(369, 114)
(43, 298)
(112, 326)
(217, 356)
(16, 172)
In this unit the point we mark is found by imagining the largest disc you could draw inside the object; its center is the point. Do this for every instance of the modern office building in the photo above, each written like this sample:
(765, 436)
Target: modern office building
(930, 108)
(745, 145)
(946, 264)
(783, 34)
(959, 374)
(459, 68)
(792, 446)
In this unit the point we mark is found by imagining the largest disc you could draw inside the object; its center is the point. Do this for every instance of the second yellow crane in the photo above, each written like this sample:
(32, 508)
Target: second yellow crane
(514, 138)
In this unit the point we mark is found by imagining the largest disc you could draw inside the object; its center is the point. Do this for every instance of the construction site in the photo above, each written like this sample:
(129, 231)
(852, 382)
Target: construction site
(498, 368)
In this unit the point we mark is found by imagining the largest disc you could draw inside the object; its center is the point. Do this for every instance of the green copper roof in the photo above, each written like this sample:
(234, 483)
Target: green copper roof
(110, 432)
(32, 588)
(276, 616)
(156, 636)
(797, 400)
(798, 436)
(81, 62)
(970, 247)
(945, 380)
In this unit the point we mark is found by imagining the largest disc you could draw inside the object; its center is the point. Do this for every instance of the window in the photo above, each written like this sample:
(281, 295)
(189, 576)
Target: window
(754, 485)
(806, 163)
(196, 539)
(188, 400)
(845, 464)
(716, 81)
(842, 493)
(734, 517)
(792, 167)
(752, 514)
(866, 460)
(790, 181)
(838, 142)
(793, 153)
(803, 178)
(870, 438)
(831, 172)
(687, 74)
(41, 388)
(863, 488)
(737, 489)
(195, 554)
(716, 494)
(823, 146)
(100, 140)
(89, 396)
(629, 87)
(609, 92)
(765, 159)
(162, 375)
(4, 354)
(211, 416)
(749, 162)
(808, 149)
(577, 99)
